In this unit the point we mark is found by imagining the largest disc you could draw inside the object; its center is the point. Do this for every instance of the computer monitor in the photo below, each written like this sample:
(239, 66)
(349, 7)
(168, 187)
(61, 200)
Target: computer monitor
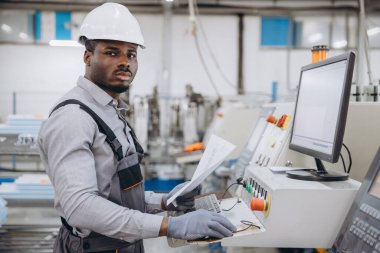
(320, 115)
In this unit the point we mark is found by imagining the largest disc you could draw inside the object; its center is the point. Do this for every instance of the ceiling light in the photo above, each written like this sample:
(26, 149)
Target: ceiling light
(65, 43)
(6, 28)
(373, 31)
(340, 44)
(23, 36)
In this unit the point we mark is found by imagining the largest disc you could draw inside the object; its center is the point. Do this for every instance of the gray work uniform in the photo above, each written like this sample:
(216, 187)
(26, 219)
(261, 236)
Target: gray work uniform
(83, 167)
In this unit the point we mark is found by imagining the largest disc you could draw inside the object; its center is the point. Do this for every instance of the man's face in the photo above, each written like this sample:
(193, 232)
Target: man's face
(112, 65)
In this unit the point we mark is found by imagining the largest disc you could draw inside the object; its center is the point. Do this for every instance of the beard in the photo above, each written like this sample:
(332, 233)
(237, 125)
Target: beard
(114, 88)
(106, 80)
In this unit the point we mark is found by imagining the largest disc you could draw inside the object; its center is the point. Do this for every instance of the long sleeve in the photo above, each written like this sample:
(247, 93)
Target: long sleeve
(68, 145)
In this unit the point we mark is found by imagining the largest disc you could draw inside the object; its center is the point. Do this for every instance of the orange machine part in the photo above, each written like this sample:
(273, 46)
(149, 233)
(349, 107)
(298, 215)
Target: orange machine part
(258, 204)
(271, 119)
(319, 53)
(194, 147)
(318, 56)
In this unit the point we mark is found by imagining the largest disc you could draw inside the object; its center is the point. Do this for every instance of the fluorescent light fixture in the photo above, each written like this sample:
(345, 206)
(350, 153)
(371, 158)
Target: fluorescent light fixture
(340, 44)
(373, 31)
(315, 37)
(6, 28)
(23, 36)
(65, 43)
(169, 0)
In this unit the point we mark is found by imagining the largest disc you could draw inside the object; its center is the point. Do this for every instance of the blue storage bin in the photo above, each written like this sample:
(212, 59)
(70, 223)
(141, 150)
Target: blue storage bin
(7, 180)
(161, 185)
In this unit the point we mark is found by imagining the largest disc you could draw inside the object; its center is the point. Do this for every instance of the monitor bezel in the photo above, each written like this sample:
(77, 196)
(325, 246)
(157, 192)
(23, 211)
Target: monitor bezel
(343, 108)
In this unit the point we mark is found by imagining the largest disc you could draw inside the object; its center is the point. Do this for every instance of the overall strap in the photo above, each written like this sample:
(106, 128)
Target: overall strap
(103, 127)
(138, 147)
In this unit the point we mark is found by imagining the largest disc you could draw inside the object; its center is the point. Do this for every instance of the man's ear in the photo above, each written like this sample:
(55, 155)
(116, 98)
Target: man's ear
(87, 58)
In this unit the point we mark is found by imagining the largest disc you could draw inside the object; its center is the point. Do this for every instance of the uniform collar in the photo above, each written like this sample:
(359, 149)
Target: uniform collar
(95, 91)
(123, 105)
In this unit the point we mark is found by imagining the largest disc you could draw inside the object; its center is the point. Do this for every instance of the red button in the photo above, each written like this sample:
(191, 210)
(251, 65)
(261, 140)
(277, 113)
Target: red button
(281, 122)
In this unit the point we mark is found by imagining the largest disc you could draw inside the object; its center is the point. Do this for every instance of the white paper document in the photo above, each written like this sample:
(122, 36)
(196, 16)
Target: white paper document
(217, 149)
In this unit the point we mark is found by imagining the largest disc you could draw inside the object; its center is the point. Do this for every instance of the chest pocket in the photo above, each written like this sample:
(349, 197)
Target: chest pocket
(127, 187)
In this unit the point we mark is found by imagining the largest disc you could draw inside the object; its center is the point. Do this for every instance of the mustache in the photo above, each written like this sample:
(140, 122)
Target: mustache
(124, 69)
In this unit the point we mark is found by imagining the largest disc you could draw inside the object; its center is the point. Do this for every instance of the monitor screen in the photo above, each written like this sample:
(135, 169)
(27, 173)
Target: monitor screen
(321, 107)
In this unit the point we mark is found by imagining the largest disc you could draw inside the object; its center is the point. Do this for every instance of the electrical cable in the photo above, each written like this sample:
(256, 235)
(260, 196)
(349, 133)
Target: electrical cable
(344, 164)
(220, 201)
(198, 49)
(209, 48)
(349, 157)
(249, 224)
(194, 17)
(238, 182)
(204, 62)
(229, 209)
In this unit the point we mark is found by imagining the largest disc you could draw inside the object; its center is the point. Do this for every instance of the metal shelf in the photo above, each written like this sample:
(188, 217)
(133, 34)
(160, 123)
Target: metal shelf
(27, 239)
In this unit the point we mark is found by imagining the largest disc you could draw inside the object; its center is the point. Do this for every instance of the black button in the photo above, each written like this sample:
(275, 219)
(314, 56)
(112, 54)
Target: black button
(86, 245)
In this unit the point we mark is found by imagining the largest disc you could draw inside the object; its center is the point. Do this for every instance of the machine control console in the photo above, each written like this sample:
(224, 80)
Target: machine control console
(361, 230)
(256, 196)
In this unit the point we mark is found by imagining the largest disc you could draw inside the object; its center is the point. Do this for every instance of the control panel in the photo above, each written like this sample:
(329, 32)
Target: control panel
(256, 196)
(294, 213)
(361, 229)
(275, 136)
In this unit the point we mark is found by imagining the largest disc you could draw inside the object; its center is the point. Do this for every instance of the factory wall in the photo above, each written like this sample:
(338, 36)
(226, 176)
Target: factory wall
(39, 74)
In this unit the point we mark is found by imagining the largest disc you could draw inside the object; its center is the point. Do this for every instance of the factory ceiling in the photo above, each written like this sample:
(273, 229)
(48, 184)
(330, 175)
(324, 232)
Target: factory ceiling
(250, 7)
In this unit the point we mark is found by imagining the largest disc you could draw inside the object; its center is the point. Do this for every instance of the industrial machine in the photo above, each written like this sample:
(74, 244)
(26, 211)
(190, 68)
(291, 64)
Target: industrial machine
(305, 211)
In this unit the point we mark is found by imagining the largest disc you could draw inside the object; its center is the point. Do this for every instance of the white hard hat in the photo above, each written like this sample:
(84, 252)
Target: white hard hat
(111, 21)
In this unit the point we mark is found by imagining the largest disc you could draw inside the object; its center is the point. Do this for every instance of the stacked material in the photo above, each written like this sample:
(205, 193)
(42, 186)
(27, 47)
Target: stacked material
(28, 187)
(22, 124)
(3, 211)
(19, 135)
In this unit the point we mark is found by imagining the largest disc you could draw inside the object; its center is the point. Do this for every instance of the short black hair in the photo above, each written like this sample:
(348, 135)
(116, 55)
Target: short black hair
(88, 43)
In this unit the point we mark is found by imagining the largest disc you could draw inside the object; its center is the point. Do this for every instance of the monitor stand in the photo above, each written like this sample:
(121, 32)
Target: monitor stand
(319, 174)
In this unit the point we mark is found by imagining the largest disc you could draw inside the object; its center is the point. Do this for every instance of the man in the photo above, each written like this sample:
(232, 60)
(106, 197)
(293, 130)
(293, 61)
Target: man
(92, 155)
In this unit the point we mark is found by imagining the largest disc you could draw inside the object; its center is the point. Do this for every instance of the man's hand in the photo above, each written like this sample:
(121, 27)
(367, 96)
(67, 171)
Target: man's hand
(184, 202)
(199, 224)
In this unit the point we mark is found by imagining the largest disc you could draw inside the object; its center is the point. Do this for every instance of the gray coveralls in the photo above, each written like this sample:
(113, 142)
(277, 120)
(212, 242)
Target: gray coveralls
(127, 190)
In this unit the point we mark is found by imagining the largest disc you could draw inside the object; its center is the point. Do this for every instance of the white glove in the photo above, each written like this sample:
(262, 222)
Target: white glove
(199, 224)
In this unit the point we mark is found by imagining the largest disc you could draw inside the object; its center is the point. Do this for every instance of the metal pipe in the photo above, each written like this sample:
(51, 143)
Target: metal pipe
(240, 83)
(14, 103)
(364, 39)
(164, 86)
